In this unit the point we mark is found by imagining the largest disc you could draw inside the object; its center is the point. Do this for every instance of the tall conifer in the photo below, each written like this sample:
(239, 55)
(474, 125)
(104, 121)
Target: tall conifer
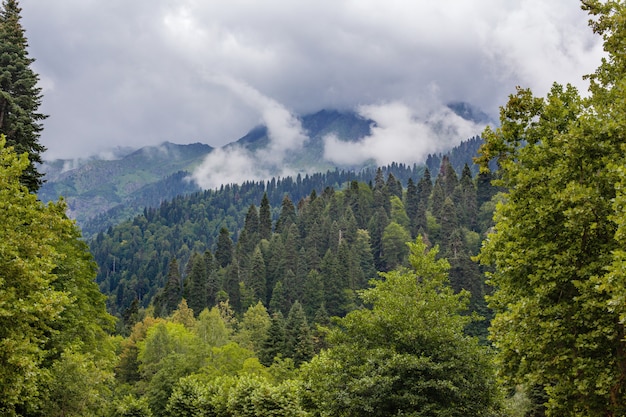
(20, 97)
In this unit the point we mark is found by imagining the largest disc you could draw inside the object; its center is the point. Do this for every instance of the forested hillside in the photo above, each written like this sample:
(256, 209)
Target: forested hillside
(292, 240)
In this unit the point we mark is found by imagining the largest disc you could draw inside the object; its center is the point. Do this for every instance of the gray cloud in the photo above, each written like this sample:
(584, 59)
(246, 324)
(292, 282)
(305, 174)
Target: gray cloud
(119, 73)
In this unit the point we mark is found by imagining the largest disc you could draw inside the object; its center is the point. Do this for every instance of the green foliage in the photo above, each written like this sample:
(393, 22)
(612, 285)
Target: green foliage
(405, 355)
(556, 246)
(131, 406)
(49, 304)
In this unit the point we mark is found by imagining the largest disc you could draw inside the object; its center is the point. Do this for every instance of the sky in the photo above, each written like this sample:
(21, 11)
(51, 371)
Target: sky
(119, 73)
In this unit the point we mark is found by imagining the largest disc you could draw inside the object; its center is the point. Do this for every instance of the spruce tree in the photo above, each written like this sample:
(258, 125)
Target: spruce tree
(265, 219)
(196, 284)
(224, 250)
(20, 97)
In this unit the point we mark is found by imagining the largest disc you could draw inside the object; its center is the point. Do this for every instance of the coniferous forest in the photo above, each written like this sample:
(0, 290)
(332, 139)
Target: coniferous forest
(432, 290)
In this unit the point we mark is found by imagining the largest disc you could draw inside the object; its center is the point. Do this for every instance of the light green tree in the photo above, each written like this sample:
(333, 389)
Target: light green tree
(254, 327)
(556, 328)
(49, 303)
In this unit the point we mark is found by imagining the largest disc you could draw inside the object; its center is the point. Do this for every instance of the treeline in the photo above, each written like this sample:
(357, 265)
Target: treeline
(178, 184)
(319, 251)
(405, 352)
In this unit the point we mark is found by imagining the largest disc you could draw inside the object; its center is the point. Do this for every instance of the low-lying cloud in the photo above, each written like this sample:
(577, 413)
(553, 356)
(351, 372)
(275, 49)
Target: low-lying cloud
(234, 163)
(401, 135)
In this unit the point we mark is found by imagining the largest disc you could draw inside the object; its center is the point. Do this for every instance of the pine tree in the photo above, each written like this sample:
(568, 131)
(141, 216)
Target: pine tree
(411, 203)
(466, 200)
(20, 97)
(424, 190)
(257, 277)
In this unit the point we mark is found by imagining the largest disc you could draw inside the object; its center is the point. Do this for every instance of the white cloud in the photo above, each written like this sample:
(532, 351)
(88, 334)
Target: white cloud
(236, 164)
(401, 136)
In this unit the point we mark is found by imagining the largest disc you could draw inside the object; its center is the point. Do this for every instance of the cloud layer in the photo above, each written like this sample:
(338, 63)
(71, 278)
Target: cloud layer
(119, 73)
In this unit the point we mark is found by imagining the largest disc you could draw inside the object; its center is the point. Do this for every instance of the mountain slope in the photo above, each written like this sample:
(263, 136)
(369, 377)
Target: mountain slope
(99, 185)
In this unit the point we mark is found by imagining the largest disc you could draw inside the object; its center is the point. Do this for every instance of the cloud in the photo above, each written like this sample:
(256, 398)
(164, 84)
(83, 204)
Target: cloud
(235, 164)
(232, 165)
(399, 135)
(133, 73)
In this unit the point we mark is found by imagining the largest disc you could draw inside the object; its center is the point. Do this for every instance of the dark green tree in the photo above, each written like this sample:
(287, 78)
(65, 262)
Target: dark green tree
(407, 354)
(224, 250)
(256, 278)
(20, 97)
(169, 297)
(287, 215)
(466, 200)
(274, 345)
(411, 204)
(265, 219)
(424, 190)
(196, 288)
(298, 339)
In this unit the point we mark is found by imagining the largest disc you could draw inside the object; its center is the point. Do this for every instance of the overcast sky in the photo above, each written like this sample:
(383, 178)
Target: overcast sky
(140, 72)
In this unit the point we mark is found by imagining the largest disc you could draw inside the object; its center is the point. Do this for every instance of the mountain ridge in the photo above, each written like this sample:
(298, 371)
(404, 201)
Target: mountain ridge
(146, 176)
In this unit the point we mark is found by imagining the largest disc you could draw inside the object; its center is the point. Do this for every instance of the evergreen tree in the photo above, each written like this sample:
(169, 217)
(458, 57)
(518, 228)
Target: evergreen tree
(20, 97)
(424, 190)
(196, 288)
(278, 303)
(334, 285)
(265, 219)
(275, 263)
(313, 294)
(170, 296)
(257, 281)
(298, 341)
(274, 345)
(466, 200)
(376, 228)
(287, 215)
(411, 203)
(394, 186)
(224, 250)
(381, 193)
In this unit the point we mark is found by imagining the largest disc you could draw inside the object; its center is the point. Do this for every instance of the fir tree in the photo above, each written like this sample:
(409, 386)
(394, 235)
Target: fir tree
(20, 97)
(224, 251)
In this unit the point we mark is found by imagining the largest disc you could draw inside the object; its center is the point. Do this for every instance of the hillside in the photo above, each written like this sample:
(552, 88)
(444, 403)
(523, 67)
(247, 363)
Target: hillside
(97, 185)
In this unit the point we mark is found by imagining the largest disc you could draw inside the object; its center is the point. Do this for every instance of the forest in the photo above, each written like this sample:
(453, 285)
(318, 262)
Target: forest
(425, 291)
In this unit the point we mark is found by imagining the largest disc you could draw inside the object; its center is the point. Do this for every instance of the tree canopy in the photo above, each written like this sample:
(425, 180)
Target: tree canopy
(556, 245)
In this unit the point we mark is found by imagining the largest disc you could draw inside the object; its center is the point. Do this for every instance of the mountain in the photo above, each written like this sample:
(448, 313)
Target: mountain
(96, 185)
(345, 125)
(101, 193)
